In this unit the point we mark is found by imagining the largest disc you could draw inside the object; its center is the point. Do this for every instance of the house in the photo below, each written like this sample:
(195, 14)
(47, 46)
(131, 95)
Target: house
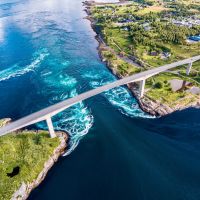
(146, 26)
(165, 55)
(178, 85)
(154, 53)
(187, 21)
(125, 29)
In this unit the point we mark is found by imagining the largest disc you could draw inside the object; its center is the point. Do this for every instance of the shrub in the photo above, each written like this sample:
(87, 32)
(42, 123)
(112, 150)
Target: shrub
(158, 85)
(37, 139)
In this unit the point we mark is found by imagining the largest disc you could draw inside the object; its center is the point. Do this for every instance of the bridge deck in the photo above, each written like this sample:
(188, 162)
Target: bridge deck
(59, 107)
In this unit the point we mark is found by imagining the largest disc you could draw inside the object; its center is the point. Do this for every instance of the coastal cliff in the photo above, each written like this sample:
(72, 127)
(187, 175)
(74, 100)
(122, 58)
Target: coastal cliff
(25, 159)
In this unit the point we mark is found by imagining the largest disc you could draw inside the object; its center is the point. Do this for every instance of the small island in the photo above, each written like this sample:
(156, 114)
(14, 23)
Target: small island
(139, 35)
(25, 159)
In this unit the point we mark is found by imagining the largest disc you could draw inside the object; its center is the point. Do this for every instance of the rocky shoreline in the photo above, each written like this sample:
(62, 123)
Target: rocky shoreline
(26, 188)
(148, 105)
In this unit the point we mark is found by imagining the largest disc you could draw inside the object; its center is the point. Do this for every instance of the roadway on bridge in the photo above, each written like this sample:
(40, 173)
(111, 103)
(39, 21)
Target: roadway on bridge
(59, 107)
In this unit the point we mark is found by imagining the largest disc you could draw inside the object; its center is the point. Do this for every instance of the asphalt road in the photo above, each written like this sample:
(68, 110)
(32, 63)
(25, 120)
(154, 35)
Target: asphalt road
(59, 107)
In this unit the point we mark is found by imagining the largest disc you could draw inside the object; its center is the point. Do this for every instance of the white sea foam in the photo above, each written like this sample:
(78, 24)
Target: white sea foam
(18, 70)
(76, 124)
(76, 120)
(119, 97)
(124, 101)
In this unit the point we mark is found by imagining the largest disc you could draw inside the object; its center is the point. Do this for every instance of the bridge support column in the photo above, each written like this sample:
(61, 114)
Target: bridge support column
(141, 89)
(189, 67)
(50, 127)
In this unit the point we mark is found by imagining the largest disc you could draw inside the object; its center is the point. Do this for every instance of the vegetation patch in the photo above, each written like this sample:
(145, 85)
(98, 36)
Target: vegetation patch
(159, 89)
(153, 33)
(120, 66)
(22, 158)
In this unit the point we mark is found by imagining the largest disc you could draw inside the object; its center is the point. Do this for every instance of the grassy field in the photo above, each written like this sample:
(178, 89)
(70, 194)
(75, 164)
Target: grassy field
(154, 9)
(121, 67)
(165, 94)
(22, 158)
(120, 41)
(118, 25)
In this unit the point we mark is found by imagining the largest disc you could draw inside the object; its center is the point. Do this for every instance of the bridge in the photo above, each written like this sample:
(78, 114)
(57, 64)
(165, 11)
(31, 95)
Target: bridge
(47, 113)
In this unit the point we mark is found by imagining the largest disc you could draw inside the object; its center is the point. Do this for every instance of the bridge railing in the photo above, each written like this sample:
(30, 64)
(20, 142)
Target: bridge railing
(47, 113)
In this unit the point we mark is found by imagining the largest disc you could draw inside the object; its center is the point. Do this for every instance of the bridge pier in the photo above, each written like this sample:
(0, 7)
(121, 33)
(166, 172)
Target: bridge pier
(141, 89)
(189, 67)
(50, 127)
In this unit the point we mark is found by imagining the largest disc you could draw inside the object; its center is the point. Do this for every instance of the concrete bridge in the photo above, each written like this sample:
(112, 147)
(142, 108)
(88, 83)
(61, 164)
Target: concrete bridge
(47, 113)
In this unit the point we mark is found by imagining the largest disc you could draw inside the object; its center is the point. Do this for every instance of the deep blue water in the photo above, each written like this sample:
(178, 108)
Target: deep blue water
(48, 53)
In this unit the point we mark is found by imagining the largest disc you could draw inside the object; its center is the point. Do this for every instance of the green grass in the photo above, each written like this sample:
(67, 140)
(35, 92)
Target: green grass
(117, 37)
(121, 42)
(27, 150)
(123, 68)
(179, 52)
(151, 9)
(165, 95)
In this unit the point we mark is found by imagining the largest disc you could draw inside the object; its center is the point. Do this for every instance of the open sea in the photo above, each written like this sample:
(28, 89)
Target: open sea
(48, 53)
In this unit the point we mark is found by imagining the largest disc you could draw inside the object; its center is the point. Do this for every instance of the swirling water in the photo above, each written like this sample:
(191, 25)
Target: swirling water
(48, 54)
(56, 64)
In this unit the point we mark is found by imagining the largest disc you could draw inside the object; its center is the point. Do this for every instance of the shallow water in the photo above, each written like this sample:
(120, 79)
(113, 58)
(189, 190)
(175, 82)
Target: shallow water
(48, 54)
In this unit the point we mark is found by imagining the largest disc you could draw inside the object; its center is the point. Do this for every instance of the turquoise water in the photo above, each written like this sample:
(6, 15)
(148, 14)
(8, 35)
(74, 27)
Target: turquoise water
(53, 57)
(48, 53)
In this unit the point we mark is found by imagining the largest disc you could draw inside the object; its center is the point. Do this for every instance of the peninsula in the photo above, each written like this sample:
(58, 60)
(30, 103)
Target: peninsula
(25, 159)
(136, 36)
